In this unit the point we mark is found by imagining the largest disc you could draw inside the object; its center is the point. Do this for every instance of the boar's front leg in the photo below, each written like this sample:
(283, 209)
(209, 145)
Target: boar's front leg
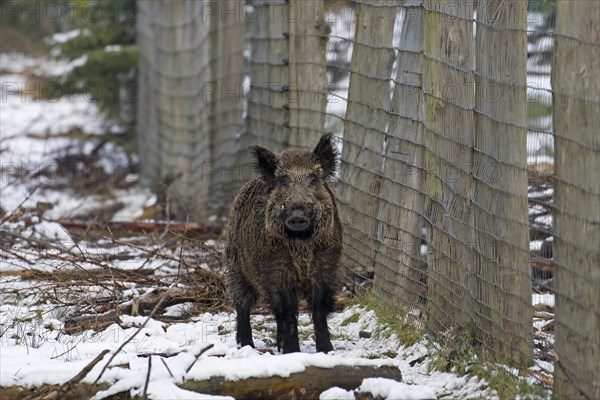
(243, 302)
(285, 307)
(321, 304)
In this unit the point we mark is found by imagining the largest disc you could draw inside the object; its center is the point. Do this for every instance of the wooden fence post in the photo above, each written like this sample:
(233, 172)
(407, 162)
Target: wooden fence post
(501, 281)
(173, 117)
(400, 268)
(449, 135)
(230, 157)
(576, 101)
(366, 120)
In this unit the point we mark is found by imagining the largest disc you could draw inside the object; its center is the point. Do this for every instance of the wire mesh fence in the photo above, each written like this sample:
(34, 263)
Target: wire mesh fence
(191, 107)
(451, 142)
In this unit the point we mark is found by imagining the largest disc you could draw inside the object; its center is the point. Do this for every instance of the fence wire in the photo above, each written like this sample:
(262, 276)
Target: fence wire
(456, 149)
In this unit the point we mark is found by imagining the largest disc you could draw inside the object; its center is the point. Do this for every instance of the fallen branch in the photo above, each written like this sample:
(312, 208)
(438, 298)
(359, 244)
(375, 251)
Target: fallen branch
(94, 322)
(306, 384)
(203, 296)
(145, 227)
(542, 267)
(204, 273)
(59, 392)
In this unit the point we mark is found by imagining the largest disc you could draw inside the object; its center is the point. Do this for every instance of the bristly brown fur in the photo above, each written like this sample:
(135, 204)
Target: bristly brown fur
(267, 259)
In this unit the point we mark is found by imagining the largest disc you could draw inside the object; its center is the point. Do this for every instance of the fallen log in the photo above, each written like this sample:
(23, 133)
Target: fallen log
(306, 384)
(309, 383)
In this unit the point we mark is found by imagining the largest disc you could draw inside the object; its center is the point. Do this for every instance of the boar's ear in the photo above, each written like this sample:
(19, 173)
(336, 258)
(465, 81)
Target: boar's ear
(265, 162)
(326, 155)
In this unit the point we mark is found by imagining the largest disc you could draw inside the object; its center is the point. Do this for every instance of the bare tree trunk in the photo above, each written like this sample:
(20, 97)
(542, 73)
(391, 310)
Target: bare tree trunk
(576, 101)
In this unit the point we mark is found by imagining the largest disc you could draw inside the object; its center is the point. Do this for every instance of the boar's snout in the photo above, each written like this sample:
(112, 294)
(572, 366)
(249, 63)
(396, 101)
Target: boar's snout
(297, 220)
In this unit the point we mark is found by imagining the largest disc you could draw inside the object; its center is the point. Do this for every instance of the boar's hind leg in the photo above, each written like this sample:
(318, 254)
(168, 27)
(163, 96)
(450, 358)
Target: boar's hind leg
(285, 307)
(243, 303)
(321, 304)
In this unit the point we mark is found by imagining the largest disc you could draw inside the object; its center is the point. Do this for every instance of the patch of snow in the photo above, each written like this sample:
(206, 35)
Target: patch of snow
(336, 393)
(282, 365)
(15, 63)
(539, 86)
(63, 37)
(77, 62)
(544, 365)
(137, 197)
(117, 129)
(36, 132)
(11, 83)
(543, 193)
(178, 310)
(113, 48)
(544, 219)
(546, 298)
(33, 117)
(166, 389)
(535, 245)
(391, 389)
(51, 231)
(540, 145)
(540, 159)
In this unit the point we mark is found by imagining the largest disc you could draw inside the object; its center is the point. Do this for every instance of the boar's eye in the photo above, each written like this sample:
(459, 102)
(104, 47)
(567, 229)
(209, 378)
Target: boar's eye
(311, 179)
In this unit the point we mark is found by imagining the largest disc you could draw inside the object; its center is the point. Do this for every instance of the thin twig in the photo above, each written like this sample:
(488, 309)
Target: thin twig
(167, 367)
(145, 393)
(204, 350)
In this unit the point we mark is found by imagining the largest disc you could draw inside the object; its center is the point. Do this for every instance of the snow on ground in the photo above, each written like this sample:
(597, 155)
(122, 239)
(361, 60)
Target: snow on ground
(47, 356)
(41, 137)
(546, 299)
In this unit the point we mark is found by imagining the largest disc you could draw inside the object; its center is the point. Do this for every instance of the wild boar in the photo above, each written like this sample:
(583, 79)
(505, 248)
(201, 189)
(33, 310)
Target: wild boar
(284, 242)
